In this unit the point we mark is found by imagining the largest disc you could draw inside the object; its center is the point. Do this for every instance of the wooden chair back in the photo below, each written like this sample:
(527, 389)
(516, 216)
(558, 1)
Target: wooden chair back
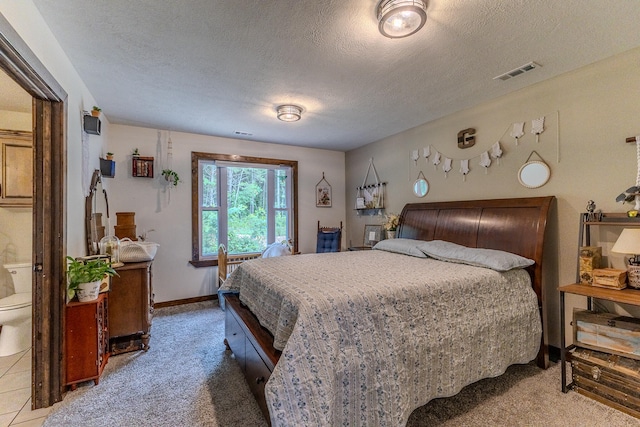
(329, 239)
(227, 263)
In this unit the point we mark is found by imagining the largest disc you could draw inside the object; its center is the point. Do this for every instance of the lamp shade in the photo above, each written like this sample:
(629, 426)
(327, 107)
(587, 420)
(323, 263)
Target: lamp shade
(401, 18)
(628, 242)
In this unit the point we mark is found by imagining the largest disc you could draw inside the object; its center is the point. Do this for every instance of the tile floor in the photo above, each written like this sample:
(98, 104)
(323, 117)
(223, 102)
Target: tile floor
(15, 392)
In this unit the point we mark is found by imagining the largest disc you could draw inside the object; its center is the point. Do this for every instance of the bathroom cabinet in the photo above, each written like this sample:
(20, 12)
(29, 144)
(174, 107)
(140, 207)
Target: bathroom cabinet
(86, 340)
(16, 179)
(130, 308)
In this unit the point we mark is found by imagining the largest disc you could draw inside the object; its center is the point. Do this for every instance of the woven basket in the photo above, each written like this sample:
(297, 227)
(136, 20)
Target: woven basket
(131, 251)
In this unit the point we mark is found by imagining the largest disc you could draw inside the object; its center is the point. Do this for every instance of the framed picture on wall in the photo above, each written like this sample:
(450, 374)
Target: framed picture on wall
(323, 193)
(372, 234)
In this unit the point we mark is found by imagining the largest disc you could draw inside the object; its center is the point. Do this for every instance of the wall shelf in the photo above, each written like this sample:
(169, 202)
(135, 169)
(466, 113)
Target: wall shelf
(92, 125)
(370, 212)
(142, 167)
(107, 168)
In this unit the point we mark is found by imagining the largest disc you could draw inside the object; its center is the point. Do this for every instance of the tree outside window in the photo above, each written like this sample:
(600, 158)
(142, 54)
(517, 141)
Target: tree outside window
(243, 203)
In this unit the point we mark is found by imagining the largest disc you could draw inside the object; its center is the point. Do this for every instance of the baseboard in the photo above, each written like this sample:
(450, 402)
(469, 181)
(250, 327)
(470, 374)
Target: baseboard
(185, 301)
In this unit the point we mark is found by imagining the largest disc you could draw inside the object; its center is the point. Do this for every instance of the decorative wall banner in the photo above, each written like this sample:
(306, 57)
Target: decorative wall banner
(518, 131)
(537, 127)
(466, 139)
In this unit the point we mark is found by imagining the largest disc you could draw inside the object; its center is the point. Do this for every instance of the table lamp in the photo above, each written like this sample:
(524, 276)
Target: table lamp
(629, 243)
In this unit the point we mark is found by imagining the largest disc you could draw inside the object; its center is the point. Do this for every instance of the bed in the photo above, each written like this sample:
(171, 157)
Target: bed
(364, 338)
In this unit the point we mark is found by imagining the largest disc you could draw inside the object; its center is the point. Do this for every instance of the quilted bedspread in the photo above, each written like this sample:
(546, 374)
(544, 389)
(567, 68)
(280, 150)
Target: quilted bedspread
(369, 336)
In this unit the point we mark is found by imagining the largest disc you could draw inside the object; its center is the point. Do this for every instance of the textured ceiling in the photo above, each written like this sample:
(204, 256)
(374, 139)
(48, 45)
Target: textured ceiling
(217, 67)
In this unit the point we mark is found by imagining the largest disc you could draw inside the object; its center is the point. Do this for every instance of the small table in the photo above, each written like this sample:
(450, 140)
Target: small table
(360, 248)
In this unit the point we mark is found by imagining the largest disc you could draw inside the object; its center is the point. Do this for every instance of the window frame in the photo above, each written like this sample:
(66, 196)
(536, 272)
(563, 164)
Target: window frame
(196, 156)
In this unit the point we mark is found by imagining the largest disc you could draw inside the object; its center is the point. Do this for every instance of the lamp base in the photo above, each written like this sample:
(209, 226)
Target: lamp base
(633, 275)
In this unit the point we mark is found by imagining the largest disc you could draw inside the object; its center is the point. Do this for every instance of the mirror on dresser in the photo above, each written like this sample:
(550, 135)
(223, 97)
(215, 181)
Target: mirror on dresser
(96, 208)
(130, 306)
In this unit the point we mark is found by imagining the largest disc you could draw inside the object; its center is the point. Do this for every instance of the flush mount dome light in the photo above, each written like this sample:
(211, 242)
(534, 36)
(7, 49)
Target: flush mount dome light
(289, 113)
(401, 18)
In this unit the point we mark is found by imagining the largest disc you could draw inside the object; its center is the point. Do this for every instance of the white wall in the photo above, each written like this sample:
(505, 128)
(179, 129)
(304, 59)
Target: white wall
(589, 113)
(25, 18)
(169, 213)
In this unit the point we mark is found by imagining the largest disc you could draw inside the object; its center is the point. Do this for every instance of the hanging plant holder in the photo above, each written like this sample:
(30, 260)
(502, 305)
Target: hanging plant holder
(171, 177)
(371, 196)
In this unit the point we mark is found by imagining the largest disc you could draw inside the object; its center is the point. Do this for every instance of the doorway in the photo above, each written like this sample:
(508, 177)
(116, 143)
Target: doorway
(49, 211)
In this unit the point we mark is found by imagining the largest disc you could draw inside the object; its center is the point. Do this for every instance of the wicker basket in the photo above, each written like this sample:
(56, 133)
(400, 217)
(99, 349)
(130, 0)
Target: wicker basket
(131, 251)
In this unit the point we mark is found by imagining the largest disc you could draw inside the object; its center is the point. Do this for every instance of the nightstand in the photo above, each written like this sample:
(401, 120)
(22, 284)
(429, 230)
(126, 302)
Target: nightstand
(598, 388)
(86, 340)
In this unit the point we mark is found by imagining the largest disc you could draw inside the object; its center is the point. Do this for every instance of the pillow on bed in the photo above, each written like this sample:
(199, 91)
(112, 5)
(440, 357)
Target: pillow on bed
(401, 246)
(479, 257)
(276, 249)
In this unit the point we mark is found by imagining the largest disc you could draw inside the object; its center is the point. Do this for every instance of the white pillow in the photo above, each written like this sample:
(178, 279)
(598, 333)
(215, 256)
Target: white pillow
(276, 249)
(401, 246)
(479, 257)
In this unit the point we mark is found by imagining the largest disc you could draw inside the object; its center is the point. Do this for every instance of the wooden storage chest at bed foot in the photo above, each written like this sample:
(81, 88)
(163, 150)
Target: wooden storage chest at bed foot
(252, 346)
(610, 379)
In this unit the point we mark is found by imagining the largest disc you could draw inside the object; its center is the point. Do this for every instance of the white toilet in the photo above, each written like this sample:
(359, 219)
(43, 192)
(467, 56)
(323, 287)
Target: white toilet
(15, 312)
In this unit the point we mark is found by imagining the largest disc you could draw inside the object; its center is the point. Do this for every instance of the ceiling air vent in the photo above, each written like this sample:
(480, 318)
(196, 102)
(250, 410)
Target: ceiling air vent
(517, 71)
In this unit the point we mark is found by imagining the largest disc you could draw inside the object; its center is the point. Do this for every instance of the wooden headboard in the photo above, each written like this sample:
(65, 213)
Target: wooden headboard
(512, 225)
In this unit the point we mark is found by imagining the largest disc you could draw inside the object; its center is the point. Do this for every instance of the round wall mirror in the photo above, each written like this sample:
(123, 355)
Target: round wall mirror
(534, 174)
(420, 187)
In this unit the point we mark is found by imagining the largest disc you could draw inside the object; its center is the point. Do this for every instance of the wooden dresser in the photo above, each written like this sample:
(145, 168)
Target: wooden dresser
(86, 340)
(130, 308)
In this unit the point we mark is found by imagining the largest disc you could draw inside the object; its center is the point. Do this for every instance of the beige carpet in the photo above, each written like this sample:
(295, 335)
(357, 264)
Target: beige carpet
(188, 379)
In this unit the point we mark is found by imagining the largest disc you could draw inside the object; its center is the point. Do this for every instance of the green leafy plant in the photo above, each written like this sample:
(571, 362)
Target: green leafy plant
(86, 272)
(171, 176)
(96, 108)
(109, 154)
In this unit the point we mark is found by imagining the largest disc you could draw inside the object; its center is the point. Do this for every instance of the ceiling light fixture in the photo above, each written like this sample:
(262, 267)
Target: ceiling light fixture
(401, 18)
(289, 113)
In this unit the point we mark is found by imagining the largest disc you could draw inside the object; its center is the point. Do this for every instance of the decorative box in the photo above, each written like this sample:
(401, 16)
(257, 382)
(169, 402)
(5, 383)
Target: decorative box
(610, 278)
(607, 378)
(590, 257)
(633, 276)
(608, 332)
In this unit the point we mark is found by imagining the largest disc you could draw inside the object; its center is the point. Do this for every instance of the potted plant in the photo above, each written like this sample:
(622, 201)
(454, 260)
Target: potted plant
(171, 176)
(135, 153)
(109, 156)
(84, 277)
(95, 111)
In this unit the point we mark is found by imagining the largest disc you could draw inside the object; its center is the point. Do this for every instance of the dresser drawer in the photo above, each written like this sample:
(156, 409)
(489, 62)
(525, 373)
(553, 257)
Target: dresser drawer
(235, 338)
(257, 375)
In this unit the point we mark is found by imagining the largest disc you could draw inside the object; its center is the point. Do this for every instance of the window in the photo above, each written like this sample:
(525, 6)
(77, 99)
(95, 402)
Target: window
(244, 203)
